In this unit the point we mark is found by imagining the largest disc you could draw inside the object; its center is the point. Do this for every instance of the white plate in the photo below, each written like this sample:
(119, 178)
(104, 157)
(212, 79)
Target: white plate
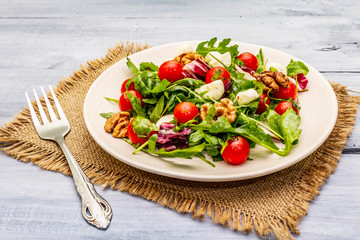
(318, 117)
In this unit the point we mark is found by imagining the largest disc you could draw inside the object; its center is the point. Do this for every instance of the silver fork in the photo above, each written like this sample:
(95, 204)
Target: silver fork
(95, 209)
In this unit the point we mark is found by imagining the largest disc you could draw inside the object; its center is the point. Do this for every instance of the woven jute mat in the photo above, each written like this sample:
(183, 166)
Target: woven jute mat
(269, 205)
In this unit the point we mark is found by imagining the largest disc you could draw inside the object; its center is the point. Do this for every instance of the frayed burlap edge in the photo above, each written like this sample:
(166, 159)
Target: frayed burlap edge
(282, 226)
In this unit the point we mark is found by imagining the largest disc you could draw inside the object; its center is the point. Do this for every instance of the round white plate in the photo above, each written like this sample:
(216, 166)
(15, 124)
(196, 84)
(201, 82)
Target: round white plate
(318, 117)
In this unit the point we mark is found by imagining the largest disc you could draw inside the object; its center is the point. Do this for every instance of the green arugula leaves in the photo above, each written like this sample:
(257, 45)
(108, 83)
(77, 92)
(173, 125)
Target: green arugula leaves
(209, 46)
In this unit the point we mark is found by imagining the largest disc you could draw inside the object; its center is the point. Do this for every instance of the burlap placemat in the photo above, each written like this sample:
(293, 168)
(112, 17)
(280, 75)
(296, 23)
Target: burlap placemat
(273, 204)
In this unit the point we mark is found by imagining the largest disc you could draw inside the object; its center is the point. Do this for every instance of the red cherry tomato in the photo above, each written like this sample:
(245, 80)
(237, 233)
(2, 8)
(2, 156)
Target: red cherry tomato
(283, 106)
(171, 71)
(285, 93)
(236, 151)
(262, 107)
(225, 75)
(185, 111)
(123, 86)
(134, 138)
(249, 60)
(124, 102)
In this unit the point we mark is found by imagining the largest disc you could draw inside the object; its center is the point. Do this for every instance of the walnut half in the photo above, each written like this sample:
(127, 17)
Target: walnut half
(118, 124)
(224, 108)
(272, 80)
(188, 57)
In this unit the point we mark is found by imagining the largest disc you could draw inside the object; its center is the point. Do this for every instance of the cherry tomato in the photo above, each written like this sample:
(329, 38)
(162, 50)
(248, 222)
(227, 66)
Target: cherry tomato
(249, 60)
(123, 86)
(285, 93)
(124, 102)
(134, 138)
(185, 111)
(262, 107)
(225, 75)
(171, 71)
(283, 106)
(236, 151)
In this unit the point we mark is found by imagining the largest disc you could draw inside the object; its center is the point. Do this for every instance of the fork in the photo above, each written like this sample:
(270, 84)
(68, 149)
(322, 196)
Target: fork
(95, 209)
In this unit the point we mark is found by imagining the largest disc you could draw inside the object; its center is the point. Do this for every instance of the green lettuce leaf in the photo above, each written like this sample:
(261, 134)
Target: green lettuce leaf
(296, 67)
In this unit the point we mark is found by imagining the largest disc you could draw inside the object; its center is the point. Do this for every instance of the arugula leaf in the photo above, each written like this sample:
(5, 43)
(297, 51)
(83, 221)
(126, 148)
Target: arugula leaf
(158, 110)
(239, 83)
(289, 126)
(132, 67)
(221, 125)
(202, 157)
(144, 81)
(152, 142)
(296, 67)
(184, 153)
(273, 121)
(107, 115)
(257, 135)
(150, 100)
(208, 46)
(189, 82)
(261, 61)
(148, 66)
(273, 69)
(212, 150)
(136, 104)
(173, 100)
(143, 127)
(161, 87)
(196, 136)
(112, 100)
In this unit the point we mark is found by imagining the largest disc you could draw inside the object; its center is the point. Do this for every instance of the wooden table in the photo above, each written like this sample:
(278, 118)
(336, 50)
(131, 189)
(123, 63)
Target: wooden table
(44, 41)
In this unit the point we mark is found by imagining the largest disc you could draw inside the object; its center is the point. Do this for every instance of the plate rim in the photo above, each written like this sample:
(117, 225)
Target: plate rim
(214, 178)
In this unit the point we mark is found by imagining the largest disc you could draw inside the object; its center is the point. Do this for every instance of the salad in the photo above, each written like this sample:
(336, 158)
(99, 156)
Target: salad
(211, 102)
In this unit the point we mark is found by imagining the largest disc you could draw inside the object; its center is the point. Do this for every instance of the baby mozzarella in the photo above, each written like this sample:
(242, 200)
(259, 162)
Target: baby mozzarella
(246, 96)
(246, 74)
(214, 89)
(278, 66)
(223, 58)
(165, 118)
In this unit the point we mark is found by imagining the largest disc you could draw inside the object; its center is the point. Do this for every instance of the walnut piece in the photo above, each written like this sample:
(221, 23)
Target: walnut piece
(118, 124)
(273, 80)
(204, 110)
(224, 108)
(188, 57)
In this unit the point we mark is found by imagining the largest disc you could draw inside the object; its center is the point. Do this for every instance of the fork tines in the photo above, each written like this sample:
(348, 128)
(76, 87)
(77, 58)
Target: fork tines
(43, 116)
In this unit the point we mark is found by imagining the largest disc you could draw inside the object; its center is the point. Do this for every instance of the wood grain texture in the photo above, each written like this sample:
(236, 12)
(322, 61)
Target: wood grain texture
(44, 41)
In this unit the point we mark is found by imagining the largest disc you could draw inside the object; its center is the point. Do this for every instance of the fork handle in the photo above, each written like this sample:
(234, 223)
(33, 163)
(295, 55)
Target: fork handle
(95, 209)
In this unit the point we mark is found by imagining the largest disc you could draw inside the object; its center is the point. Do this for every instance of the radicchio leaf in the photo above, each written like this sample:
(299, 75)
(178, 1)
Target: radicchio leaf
(170, 139)
(196, 69)
(248, 70)
(302, 81)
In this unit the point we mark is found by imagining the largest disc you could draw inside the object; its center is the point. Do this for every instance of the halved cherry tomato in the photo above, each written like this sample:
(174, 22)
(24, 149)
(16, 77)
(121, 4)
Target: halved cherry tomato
(224, 76)
(185, 111)
(249, 60)
(170, 70)
(285, 93)
(124, 102)
(123, 86)
(134, 138)
(283, 106)
(262, 106)
(236, 151)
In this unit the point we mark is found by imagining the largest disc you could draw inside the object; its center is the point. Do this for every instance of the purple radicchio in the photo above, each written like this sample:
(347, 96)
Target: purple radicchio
(170, 139)
(248, 70)
(302, 81)
(196, 69)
